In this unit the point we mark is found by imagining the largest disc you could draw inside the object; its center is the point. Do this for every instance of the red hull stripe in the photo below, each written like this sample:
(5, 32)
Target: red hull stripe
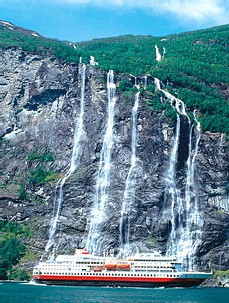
(113, 278)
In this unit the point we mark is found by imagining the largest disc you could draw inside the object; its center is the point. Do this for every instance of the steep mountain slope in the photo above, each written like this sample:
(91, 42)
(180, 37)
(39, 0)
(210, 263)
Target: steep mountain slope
(14, 36)
(192, 65)
(165, 182)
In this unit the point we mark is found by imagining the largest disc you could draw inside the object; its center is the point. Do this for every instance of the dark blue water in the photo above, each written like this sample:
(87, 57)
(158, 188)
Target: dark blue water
(24, 293)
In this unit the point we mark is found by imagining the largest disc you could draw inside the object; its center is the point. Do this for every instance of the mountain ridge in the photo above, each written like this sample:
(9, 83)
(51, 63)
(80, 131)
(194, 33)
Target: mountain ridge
(40, 98)
(194, 66)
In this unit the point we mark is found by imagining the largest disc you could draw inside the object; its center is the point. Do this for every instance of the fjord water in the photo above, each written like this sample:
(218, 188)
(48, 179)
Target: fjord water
(26, 293)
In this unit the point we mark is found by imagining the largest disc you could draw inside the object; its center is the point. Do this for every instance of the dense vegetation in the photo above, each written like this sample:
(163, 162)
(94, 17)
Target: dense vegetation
(34, 43)
(12, 249)
(40, 175)
(194, 67)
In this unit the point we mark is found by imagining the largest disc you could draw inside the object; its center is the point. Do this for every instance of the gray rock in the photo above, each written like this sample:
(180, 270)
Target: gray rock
(41, 103)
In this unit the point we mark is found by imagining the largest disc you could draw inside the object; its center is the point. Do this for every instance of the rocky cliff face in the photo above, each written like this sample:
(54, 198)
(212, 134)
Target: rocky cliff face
(41, 99)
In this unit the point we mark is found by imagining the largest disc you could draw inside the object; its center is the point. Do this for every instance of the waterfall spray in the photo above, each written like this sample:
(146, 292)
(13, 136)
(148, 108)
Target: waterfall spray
(196, 216)
(59, 194)
(158, 55)
(145, 82)
(102, 182)
(129, 192)
(190, 231)
(186, 220)
(157, 84)
(174, 192)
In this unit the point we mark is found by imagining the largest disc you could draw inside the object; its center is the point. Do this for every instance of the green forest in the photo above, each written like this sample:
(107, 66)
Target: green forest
(194, 67)
(12, 249)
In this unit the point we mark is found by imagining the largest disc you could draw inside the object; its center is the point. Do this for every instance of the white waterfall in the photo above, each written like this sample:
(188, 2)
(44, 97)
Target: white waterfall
(185, 214)
(174, 102)
(135, 81)
(99, 208)
(186, 222)
(164, 51)
(129, 192)
(174, 192)
(158, 55)
(171, 183)
(191, 230)
(145, 81)
(184, 243)
(59, 194)
(196, 219)
(157, 84)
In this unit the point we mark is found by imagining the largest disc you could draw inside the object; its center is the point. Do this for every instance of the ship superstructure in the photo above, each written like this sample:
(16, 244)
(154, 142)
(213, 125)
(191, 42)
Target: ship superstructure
(141, 270)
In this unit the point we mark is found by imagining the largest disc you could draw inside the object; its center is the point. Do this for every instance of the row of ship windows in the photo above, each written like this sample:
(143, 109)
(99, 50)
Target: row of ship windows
(109, 274)
(87, 262)
(136, 266)
(83, 263)
(157, 269)
(102, 263)
(156, 260)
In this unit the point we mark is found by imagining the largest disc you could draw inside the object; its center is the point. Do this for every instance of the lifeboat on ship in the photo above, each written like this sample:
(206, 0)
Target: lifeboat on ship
(110, 266)
(123, 266)
(97, 269)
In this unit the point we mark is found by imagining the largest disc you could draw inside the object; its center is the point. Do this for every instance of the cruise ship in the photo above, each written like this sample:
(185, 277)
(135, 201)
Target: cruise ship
(141, 270)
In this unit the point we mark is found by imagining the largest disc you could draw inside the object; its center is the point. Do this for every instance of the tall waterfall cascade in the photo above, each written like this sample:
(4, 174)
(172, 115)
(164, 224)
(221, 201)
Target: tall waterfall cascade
(94, 242)
(75, 158)
(145, 81)
(193, 218)
(158, 55)
(129, 191)
(112, 163)
(157, 84)
(186, 220)
(164, 51)
(174, 192)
